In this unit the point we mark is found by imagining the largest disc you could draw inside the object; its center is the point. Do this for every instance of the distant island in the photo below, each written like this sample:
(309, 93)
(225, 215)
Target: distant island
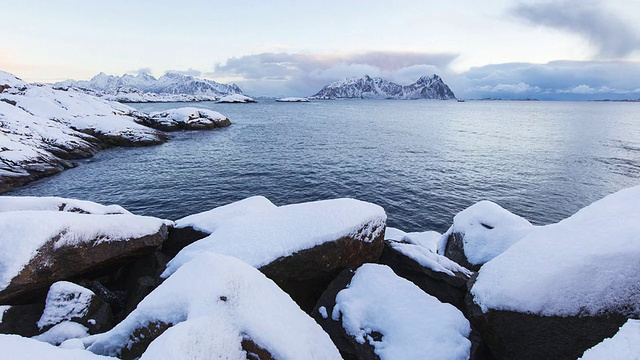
(377, 88)
(171, 87)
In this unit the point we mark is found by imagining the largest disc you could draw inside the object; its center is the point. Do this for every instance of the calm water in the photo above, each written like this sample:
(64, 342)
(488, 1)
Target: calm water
(423, 161)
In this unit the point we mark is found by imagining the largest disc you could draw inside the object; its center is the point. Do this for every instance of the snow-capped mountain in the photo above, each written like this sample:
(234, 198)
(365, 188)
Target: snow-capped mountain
(146, 88)
(376, 88)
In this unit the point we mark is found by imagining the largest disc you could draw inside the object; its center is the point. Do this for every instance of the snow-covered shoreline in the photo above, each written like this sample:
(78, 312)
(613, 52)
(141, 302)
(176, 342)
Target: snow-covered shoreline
(45, 128)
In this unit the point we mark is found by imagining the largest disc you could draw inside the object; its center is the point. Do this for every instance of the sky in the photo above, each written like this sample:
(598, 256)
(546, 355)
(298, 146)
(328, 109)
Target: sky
(550, 50)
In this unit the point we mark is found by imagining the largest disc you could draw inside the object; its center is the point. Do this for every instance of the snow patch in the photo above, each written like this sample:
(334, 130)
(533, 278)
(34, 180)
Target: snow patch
(426, 239)
(410, 323)
(62, 332)
(45, 203)
(430, 259)
(209, 221)
(16, 347)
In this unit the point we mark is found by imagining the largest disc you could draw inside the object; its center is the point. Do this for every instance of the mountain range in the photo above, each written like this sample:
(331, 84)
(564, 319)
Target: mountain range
(377, 88)
(146, 88)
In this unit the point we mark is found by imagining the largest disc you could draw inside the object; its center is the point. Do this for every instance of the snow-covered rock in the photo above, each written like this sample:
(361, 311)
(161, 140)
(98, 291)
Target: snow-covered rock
(433, 273)
(426, 239)
(171, 87)
(186, 118)
(372, 313)
(480, 233)
(625, 345)
(62, 332)
(50, 203)
(235, 98)
(15, 347)
(215, 306)
(376, 88)
(300, 246)
(567, 285)
(43, 128)
(293, 99)
(67, 301)
(197, 226)
(38, 248)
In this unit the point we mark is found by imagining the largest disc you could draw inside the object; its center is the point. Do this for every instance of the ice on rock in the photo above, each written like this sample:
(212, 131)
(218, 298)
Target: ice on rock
(65, 301)
(214, 302)
(46, 203)
(412, 324)
(487, 229)
(15, 347)
(584, 265)
(625, 345)
(209, 221)
(261, 237)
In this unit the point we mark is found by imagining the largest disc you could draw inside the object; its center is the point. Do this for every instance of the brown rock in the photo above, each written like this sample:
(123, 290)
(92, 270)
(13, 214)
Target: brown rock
(306, 274)
(51, 265)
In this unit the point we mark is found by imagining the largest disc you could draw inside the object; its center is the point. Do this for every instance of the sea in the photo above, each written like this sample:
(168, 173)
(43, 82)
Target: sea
(423, 161)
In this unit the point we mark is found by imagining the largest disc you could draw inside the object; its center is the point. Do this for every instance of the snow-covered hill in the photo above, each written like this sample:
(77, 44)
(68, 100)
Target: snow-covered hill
(146, 88)
(377, 88)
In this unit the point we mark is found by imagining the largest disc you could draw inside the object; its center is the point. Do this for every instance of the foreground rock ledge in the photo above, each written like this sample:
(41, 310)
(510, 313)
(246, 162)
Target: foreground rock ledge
(67, 245)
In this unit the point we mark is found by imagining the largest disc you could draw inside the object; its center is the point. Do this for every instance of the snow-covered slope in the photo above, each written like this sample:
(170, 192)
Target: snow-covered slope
(146, 88)
(376, 88)
(42, 128)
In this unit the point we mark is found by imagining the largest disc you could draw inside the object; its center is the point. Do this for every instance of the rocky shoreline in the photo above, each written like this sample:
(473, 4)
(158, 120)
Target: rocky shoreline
(44, 129)
(317, 280)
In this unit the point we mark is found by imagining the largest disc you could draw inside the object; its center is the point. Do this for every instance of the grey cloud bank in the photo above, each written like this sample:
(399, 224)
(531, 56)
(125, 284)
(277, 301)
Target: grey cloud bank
(608, 32)
(278, 74)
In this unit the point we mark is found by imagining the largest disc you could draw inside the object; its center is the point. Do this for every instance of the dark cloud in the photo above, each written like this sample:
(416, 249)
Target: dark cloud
(189, 71)
(613, 37)
(305, 74)
(556, 80)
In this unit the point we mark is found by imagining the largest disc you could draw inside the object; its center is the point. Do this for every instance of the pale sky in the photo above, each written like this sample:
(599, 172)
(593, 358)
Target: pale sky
(545, 49)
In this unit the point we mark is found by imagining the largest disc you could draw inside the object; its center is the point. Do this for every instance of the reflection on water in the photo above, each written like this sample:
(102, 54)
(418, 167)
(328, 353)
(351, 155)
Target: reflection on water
(423, 161)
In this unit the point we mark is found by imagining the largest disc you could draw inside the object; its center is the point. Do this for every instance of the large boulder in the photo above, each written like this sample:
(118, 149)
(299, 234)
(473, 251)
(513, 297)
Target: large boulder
(480, 233)
(302, 247)
(186, 118)
(21, 319)
(371, 313)
(434, 274)
(564, 287)
(38, 248)
(216, 306)
(198, 226)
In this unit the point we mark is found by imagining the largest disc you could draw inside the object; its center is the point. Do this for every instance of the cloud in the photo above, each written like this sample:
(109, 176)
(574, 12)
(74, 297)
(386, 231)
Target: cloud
(140, 71)
(189, 71)
(305, 74)
(556, 80)
(608, 32)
